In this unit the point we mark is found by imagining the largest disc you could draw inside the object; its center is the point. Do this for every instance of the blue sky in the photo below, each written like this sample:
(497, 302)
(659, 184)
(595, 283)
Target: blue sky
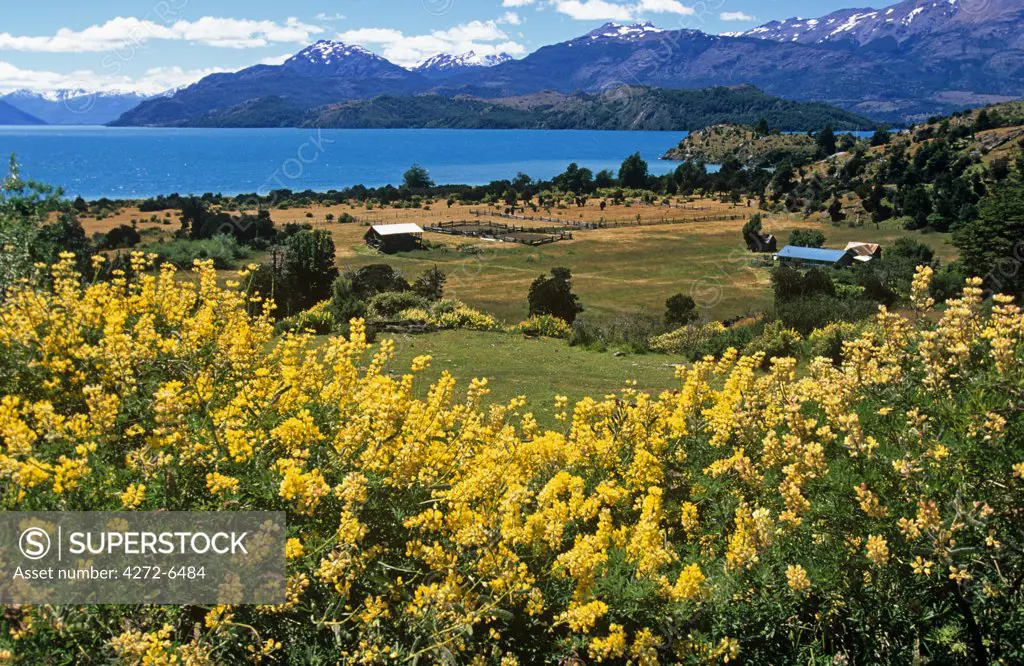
(151, 45)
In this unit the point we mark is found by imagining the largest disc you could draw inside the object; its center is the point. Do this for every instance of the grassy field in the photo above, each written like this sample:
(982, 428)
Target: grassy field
(623, 270)
(515, 365)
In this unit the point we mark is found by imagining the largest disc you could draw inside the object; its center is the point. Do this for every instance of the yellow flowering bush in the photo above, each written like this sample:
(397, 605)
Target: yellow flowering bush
(318, 319)
(862, 512)
(452, 314)
(547, 326)
(686, 337)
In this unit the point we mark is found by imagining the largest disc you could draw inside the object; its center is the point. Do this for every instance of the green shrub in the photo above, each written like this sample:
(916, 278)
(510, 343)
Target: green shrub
(226, 251)
(806, 314)
(629, 332)
(390, 304)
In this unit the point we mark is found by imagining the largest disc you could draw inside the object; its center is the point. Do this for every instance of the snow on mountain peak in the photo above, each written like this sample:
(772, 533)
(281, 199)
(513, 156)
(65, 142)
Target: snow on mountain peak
(899, 21)
(69, 94)
(624, 32)
(448, 61)
(326, 52)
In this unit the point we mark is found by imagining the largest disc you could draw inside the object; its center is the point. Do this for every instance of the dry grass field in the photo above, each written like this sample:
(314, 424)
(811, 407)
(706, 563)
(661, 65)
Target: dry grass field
(616, 271)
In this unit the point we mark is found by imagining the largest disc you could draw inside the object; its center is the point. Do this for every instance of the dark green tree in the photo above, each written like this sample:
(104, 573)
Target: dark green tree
(575, 179)
(64, 235)
(826, 141)
(835, 211)
(511, 199)
(762, 128)
(680, 310)
(1000, 168)
(345, 303)
(917, 204)
(368, 281)
(25, 207)
(417, 178)
(807, 238)
(430, 285)
(634, 172)
(121, 236)
(604, 179)
(991, 245)
(552, 295)
(308, 269)
(881, 137)
(753, 225)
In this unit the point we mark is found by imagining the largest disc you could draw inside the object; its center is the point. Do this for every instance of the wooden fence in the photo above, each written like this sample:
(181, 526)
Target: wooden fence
(602, 224)
(505, 233)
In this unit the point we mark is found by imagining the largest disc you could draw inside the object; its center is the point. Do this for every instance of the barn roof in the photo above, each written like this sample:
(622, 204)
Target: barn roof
(864, 249)
(396, 229)
(812, 254)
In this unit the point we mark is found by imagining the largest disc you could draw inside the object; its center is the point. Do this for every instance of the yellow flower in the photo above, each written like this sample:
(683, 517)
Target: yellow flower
(877, 550)
(689, 517)
(958, 575)
(796, 578)
(583, 617)
(921, 566)
(220, 484)
(133, 496)
(689, 584)
(293, 549)
(611, 647)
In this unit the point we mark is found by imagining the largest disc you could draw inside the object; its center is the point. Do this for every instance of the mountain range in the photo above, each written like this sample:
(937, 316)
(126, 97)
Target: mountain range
(10, 115)
(74, 106)
(899, 65)
(650, 109)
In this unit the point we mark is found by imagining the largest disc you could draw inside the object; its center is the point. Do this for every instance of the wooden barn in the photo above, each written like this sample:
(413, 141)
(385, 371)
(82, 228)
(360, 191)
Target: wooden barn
(388, 238)
(865, 252)
(761, 242)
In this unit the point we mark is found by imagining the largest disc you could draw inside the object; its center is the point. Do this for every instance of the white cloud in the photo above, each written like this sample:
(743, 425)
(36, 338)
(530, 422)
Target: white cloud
(516, 3)
(736, 16)
(602, 10)
(594, 10)
(275, 60)
(665, 7)
(153, 81)
(330, 17)
(482, 37)
(121, 32)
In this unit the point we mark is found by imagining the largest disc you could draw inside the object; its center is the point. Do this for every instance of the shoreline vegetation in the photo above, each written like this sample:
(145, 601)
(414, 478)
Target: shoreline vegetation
(633, 108)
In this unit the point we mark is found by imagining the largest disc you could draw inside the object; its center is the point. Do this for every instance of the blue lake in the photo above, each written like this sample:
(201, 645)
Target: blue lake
(99, 162)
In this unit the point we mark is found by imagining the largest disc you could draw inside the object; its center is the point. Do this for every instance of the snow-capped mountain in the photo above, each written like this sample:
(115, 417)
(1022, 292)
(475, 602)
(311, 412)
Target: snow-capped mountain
(74, 106)
(914, 59)
(899, 23)
(623, 33)
(329, 58)
(322, 73)
(447, 63)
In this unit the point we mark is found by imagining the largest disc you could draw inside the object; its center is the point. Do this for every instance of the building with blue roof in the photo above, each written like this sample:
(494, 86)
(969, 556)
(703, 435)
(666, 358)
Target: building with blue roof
(796, 256)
